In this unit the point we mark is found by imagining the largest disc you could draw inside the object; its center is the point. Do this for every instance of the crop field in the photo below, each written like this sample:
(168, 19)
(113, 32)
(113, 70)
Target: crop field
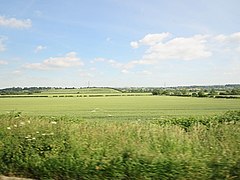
(120, 137)
(120, 108)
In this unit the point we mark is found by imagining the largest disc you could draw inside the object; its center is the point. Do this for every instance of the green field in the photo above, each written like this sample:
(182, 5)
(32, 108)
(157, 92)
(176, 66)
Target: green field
(121, 108)
(120, 137)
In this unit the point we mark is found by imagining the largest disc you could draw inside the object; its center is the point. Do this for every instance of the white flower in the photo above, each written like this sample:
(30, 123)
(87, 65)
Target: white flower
(15, 125)
(37, 132)
(9, 128)
(22, 123)
(28, 136)
(53, 122)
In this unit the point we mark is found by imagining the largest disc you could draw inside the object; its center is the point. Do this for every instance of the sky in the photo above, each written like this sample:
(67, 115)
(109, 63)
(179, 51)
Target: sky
(119, 43)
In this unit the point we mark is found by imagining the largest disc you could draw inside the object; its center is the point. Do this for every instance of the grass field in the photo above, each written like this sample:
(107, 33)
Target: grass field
(125, 137)
(121, 108)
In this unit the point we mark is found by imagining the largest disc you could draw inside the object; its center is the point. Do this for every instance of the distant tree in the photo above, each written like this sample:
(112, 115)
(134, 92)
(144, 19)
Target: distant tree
(213, 92)
(155, 92)
(194, 94)
(235, 91)
(164, 92)
(184, 92)
(201, 94)
(177, 93)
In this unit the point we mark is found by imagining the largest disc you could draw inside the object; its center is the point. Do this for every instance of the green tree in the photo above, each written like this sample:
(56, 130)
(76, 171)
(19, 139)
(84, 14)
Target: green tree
(201, 94)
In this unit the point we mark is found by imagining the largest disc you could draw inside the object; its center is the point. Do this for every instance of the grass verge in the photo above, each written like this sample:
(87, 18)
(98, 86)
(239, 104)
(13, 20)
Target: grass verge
(66, 147)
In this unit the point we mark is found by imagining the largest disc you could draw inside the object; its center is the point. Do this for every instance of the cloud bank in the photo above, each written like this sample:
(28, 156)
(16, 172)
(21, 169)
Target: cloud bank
(69, 60)
(161, 47)
(15, 23)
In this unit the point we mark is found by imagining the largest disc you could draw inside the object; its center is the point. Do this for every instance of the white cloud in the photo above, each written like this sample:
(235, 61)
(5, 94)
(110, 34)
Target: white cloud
(134, 44)
(220, 38)
(162, 47)
(150, 39)
(124, 71)
(228, 43)
(69, 60)
(39, 48)
(98, 60)
(235, 37)
(112, 62)
(179, 48)
(2, 62)
(232, 38)
(124, 68)
(15, 23)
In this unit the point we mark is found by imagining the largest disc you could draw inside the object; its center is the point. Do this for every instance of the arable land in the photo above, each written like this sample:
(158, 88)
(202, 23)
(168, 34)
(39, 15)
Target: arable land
(134, 136)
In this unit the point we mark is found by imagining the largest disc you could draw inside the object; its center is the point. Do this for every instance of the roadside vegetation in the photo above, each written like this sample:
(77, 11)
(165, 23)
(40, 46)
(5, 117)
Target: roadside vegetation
(128, 133)
(64, 147)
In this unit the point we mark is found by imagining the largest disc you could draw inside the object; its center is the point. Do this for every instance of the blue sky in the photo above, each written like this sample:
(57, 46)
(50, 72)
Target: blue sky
(119, 43)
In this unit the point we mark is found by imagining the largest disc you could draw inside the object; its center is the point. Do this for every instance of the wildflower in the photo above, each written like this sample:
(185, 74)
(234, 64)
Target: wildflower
(109, 115)
(9, 128)
(43, 134)
(29, 121)
(53, 122)
(37, 132)
(51, 133)
(22, 123)
(28, 136)
(33, 138)
(15, 125)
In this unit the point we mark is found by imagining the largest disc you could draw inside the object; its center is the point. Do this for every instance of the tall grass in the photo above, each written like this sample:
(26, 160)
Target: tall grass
(68, 148)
